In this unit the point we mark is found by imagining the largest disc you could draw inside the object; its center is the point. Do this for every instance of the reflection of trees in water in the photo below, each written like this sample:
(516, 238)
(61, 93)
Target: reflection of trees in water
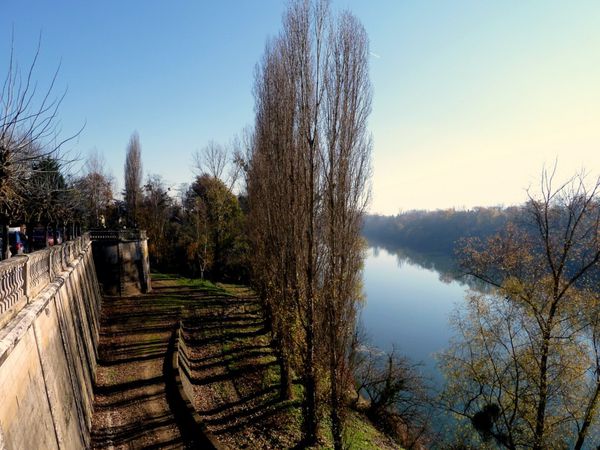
(445, 265)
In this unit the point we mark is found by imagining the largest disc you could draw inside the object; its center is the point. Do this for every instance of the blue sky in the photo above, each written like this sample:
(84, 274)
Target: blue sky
(471, 98)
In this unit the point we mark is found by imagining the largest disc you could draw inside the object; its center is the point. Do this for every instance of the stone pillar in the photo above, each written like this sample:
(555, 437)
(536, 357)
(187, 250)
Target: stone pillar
(121, 260)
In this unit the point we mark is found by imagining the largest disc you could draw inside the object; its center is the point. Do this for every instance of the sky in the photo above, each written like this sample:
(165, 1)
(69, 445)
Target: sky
(471, 99)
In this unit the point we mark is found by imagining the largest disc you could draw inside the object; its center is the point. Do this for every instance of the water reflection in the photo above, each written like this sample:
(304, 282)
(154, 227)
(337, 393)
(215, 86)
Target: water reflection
(446, 266)
(409, 301)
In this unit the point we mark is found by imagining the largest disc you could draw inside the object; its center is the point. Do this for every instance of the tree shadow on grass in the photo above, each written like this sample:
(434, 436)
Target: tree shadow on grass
(129, 433)
(232, 363)
(234, 342)
(135, 404)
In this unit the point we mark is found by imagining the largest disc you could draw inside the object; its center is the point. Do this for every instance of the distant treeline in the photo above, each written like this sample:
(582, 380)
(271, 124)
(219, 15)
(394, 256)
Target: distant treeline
(437, 231)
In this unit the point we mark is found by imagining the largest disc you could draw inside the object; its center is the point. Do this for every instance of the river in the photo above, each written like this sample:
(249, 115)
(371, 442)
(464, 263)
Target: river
(409, 305)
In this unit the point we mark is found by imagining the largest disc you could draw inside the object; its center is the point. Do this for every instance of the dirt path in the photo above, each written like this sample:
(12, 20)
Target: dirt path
(232, 366)
(132, 404)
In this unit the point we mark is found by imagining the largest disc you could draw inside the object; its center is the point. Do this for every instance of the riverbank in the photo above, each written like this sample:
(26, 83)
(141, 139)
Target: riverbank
(233, 369)
(236, 380)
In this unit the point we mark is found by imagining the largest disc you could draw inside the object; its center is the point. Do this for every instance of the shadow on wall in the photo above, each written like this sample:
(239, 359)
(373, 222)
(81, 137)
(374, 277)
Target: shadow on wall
(121, 260)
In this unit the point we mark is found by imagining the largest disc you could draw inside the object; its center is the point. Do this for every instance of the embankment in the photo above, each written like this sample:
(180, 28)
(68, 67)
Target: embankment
(49, 313)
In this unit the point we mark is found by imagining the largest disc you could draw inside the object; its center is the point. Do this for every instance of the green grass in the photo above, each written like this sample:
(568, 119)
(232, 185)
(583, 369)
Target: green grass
(187, 282)
(163, 276)
(270, 376)
(198, 283)
(360, 434)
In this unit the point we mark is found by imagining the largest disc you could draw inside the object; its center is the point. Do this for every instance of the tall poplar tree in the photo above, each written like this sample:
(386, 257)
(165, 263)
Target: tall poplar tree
(308, 187)
(133, 179)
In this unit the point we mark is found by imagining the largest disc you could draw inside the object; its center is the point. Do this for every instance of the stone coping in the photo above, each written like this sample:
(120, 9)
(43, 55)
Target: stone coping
(181, 370)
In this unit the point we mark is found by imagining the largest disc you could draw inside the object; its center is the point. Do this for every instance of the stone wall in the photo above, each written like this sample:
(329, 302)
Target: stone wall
(48, 348)
(121, 257)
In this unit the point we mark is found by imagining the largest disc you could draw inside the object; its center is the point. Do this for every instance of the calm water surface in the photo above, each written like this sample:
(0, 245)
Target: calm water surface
(408, 306)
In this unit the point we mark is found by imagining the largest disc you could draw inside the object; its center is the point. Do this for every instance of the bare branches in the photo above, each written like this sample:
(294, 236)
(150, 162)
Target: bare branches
(212, 160)
(524, 351)
(221, 162)
(28, 137)
(22, 121)
(94, 191)
(308, 187)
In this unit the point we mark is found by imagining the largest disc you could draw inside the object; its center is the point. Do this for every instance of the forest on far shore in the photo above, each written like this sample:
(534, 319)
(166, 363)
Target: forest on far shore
(438, 232)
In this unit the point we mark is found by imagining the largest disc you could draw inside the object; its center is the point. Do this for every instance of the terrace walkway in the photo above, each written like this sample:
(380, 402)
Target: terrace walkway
(225, 354)
(136, 402)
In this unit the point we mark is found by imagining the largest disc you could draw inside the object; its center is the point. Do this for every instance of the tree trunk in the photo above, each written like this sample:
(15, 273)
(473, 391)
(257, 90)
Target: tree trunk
(588, 418)
(286, 392)
(55, 233)
(5, 243)
(310, 387)
(30, 226)
(540, 421)
(46, 235)
(336, 419)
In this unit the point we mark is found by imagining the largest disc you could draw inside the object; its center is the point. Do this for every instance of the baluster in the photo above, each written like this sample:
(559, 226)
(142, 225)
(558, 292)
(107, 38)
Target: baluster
(3, 293)
(26, 278)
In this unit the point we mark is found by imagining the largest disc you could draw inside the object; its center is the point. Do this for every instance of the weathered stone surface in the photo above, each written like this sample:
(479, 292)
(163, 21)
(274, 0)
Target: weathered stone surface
(47, 363)
(122, 262)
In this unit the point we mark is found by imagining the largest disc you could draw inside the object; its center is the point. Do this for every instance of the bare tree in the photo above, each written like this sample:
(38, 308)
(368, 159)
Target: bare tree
(394, 389)
(94, 191)
(212, 160)
(275, 216)
(345, 159)
(308, 186)
(28, 133)
(46, 199)
(133, 179)
(525, 371)
(219, 161)
(200, 249)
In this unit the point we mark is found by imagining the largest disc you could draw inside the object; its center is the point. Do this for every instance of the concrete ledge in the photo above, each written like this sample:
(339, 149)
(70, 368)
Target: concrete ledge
(209, 441)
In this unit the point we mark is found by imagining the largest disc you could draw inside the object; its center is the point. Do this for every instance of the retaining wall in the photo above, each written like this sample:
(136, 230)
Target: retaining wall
(121, 257)
(50, 309)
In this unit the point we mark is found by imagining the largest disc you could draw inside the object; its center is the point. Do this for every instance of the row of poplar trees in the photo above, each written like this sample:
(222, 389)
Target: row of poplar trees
(308, 186)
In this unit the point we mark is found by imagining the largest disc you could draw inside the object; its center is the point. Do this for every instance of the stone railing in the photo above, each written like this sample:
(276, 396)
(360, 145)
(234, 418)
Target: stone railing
(12, 285)
(40, 273)
(117, 235)
(23, 277)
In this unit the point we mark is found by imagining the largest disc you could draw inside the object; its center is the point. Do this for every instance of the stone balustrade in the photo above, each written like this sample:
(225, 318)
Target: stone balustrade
(12, 286)
(117, 235)
(24, 277)
(40, 273)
